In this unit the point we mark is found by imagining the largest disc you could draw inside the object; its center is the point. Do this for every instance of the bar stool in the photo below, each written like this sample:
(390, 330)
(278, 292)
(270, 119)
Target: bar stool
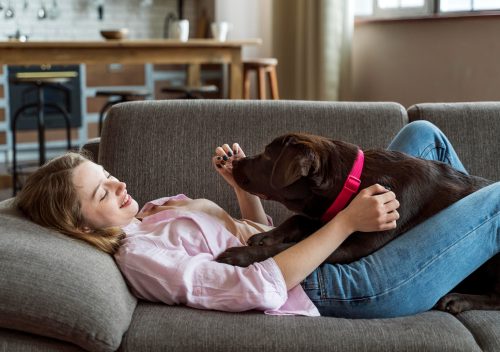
(191, 92)
(261, 68)
(40, 81)
(118, 96)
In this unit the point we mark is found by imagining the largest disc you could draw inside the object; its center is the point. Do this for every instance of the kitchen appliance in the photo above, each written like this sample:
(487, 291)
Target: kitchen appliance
(68, 95)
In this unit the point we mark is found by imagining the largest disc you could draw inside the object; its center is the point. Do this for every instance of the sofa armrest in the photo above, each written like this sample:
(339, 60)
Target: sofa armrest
(91, 148)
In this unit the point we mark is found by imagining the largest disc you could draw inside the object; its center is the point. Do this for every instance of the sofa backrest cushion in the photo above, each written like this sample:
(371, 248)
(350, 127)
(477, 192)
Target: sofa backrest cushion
(58, 287)
(163, 148)
(473, 129)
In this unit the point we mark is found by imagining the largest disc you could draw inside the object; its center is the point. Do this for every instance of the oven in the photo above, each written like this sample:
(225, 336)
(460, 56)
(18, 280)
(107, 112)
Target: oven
(68, 95)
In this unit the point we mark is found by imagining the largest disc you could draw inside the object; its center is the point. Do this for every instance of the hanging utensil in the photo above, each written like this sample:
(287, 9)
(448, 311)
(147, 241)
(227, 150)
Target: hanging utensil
(55, 11)
(26, 5)
(42, 11)
(9, 12)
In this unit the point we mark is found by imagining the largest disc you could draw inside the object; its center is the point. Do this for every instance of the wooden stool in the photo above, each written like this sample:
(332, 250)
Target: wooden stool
(40, 82)
(189, 92)
(261, 67)
(118, 96)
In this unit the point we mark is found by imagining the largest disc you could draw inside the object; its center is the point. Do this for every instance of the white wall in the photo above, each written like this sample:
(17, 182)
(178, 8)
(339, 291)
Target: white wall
(78, 18)
(250, 19)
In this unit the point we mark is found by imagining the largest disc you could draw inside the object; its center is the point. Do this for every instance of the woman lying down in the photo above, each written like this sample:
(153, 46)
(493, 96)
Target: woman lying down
(168, 250)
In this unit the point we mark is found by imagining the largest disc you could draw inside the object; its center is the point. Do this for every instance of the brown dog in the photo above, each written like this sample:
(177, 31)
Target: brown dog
(307, 172)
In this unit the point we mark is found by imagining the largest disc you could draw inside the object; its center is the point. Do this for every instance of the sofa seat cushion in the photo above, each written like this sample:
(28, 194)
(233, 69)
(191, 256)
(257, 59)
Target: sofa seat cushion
(58, 287)
(485, 326)
(16, 341)
(157, 327)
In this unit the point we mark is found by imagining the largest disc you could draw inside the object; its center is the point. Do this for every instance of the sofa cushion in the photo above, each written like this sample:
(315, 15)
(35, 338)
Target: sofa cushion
(160, 328)
(159, 165)
(58, 287)
(16, 341)
(473, 129)
(485, 326)
(91, 149)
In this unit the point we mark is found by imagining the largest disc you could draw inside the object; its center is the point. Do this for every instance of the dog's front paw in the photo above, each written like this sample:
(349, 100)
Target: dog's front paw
(265, 239)
(239, 256)
(454, 303)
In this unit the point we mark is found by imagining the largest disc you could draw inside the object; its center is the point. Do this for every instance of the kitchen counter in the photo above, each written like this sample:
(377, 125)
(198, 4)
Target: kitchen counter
(156, 51)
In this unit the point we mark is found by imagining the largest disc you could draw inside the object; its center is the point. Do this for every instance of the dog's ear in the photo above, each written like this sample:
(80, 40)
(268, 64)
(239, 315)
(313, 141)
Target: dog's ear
(294, 162)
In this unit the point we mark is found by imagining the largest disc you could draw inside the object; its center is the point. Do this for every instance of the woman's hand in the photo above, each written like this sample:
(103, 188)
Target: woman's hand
(373, 209)
(250, 205)
(224, 156)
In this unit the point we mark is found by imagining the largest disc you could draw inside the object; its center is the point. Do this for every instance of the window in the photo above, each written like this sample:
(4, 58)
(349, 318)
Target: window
(468, 5)
(412, 8)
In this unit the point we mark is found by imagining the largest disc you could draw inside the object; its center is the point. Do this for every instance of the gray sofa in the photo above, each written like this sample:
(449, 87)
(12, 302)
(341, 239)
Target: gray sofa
(58, 294)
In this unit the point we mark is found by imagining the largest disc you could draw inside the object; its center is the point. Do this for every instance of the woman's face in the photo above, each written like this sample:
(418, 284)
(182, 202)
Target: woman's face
(104, 200)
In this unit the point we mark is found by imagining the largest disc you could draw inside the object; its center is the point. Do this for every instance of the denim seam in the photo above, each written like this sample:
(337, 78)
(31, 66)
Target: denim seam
(436, 145)
(420, 270)
(321, 284)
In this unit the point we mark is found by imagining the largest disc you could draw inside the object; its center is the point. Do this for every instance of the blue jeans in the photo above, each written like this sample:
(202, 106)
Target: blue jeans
(411, 273)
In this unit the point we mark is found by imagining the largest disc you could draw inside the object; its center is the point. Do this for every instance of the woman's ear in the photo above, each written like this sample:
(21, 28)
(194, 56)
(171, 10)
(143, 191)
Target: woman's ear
(295, 161)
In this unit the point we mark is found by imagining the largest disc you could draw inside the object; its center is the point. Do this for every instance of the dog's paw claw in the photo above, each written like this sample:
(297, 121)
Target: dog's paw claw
(453, 303)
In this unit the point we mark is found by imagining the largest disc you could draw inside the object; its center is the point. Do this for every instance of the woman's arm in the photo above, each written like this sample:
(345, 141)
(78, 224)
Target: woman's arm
(250, 205)
(373, 209)
(161, 270)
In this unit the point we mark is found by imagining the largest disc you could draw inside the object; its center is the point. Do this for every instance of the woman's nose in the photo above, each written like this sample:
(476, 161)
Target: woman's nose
(117, 185)
(120, 187)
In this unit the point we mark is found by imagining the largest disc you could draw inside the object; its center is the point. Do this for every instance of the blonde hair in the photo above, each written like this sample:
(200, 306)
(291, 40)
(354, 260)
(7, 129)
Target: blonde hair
(49, 198)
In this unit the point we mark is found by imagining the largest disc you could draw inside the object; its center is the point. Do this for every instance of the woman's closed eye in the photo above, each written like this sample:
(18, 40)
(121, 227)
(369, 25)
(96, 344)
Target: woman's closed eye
(108, 176)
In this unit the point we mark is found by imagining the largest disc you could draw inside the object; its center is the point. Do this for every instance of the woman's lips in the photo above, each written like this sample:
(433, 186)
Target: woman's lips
(127, 201)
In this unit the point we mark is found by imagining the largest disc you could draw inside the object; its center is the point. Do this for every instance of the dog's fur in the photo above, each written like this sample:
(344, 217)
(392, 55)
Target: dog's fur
(307, 172)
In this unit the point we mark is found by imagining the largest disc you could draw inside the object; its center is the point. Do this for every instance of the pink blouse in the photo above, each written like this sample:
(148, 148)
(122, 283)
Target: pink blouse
(170, 257)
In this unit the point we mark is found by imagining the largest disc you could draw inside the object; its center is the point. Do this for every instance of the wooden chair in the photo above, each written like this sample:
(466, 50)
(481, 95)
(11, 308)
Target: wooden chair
(191, 92)
(261, 67)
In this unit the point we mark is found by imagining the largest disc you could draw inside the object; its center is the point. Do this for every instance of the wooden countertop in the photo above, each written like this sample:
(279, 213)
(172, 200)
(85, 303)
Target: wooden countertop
(130, 51)
(129, 43)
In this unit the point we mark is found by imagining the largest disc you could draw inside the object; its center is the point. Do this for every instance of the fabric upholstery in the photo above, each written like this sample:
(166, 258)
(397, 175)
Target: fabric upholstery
(473, 129)
(91, 148)
(54, 286)
(48, 288)
(157, 328)
(485, 327)
(16, 341)
(165, 147)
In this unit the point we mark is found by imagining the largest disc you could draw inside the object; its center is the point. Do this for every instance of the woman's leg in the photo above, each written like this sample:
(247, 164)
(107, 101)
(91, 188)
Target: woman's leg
(424, 140)
(410, 274)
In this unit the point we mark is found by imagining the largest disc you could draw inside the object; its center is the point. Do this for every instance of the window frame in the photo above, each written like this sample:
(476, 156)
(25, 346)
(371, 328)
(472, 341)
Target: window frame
(430, 9)
(427, 9)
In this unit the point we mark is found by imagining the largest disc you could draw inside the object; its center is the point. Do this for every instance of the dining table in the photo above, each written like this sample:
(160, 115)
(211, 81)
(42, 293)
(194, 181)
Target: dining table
(193, 53)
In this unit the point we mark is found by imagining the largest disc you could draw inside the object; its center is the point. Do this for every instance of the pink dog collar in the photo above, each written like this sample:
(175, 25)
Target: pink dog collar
(351, 186)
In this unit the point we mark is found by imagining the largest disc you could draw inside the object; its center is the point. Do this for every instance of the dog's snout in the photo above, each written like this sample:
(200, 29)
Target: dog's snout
(239, 172)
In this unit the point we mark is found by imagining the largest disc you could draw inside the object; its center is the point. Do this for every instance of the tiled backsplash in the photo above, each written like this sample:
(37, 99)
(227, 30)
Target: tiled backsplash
(78, 19)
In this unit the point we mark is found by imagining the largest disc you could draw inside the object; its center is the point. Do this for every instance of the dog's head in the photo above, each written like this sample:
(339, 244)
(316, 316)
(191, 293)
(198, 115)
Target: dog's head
(304, 172)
